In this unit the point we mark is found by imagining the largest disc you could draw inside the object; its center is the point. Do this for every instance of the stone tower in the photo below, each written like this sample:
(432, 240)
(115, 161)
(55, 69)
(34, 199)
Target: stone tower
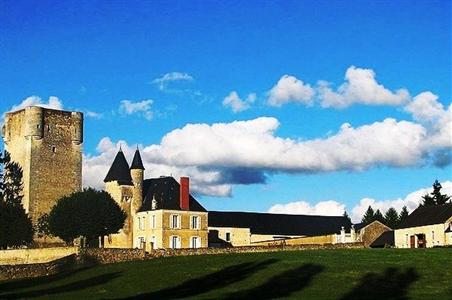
(125, 185)
(47, 144)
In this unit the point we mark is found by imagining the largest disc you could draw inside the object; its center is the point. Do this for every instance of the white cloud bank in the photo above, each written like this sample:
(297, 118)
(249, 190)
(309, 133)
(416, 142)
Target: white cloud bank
(334, 208)
(236, 103)
(221, 155)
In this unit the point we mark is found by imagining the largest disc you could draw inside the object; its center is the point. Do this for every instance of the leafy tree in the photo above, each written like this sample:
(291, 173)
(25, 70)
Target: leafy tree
(403, 214)
(346, 215)
(15, 226)
(440, 199)
(379, 216)
(391, 218)
(369, 216)
(89, 213)
(42, 227)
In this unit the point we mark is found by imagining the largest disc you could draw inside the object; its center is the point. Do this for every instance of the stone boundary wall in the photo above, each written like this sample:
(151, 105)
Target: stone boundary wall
(8, 272)
(110, 255)
(248, 249)
(93, 256)
(34, 256)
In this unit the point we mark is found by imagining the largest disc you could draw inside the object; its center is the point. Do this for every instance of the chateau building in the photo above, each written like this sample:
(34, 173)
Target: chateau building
(47, 144)
(161, 213)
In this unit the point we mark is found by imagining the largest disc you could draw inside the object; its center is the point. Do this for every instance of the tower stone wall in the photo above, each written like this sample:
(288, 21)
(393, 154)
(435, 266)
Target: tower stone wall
(47, 144)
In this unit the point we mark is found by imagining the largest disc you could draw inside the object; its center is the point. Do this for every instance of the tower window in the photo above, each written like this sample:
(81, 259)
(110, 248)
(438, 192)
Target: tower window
(48, 128)
(54, 149)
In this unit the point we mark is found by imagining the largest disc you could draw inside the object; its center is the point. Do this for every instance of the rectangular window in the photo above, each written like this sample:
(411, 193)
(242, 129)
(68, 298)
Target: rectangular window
(153, 221)
(195, 222)
(141, 223)
(228, 236)
(141, 242)
(175, 221)
(195, 242)
(433, 238)
(153, 242)
(174, 242)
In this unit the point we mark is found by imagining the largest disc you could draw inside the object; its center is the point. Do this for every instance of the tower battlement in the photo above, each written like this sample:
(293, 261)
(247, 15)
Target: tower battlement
(47, 144)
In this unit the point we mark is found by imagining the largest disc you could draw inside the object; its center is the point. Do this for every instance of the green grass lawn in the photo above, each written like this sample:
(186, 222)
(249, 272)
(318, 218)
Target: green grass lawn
(314, 274)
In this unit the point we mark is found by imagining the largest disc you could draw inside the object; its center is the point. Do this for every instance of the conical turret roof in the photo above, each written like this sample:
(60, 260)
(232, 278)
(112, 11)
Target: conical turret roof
(119, 170)
(137, 163)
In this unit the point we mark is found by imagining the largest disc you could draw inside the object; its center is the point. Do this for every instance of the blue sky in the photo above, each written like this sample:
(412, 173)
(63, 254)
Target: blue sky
(109, 59)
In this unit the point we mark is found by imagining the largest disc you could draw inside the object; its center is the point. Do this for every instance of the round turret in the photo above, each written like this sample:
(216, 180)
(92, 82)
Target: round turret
(77, 128)
(34, 122)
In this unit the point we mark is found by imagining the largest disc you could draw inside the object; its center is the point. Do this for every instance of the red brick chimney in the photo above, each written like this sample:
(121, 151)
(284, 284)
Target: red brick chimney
(184, 193)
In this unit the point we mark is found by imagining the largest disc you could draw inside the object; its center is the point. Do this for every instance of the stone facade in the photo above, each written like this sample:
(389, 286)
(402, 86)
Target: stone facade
(368, 234)
(154, 229)
(47, 144)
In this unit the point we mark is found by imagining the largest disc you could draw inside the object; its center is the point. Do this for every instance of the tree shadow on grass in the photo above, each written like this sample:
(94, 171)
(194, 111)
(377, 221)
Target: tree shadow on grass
(392, 284)
(73, 286)
(12, 285)
(209, 282)
(281, 285)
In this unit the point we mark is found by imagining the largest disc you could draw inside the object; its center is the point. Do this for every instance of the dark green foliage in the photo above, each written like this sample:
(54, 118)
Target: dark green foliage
(435, 197)
(347, 216)
(440, 199)
(15, 226)
(428, 200)
(391, 218)
(42, 228)
(379, 216)
(369, 216)
(90, 214)
(403, 214)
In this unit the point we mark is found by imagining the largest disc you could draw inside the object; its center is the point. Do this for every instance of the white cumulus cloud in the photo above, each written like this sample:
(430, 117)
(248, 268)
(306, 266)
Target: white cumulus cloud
(360, 86)
(142, 108)
(236, 103)
(52, 103)
(220, 155)
(290, 89)
(323, 208)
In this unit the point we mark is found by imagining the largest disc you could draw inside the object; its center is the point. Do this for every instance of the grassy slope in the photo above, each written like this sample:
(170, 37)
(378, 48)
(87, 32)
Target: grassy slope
(324, 274)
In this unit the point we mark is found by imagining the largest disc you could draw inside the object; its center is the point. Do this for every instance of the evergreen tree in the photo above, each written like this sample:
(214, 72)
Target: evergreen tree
(379, 216)
(428, 200)
(16, 227)
(403, 214)
(440, 199)
(346, 215)
(90, 214)
(42, 227)
(391, 218)
(369, 216)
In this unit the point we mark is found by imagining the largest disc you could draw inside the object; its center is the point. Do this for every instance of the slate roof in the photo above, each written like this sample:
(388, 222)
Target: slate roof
(428, 215)
(119, 170)
(166, 191)
(137, 163)
(279, 224)
(386, 238)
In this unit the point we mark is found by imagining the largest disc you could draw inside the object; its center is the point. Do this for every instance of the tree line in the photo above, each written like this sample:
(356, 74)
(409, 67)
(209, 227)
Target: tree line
(392, 218)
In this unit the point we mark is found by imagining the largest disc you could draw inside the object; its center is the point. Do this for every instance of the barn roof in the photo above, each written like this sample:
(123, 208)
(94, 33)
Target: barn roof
(279, 224)
(428, 215)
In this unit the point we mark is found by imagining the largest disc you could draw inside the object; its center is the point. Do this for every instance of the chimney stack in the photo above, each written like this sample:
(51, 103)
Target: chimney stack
(184, 193)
